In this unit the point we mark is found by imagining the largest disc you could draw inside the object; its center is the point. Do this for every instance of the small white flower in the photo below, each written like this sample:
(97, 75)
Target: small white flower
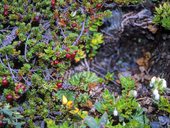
(164, 84)
(157, 97)
(124, 124)
(151, 85)
(74, 13)
(152, 82)
(153, 79)
(115, 112)
(139, 105)
(155, 92)
(135, 94)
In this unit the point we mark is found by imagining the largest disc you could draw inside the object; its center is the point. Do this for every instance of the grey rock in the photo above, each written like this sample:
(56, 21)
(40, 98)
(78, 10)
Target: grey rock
(113, 24)
(155, 125)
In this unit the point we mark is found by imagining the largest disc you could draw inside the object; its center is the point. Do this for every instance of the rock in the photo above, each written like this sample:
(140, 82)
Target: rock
(113, 24)
(155, 125)
(164, 120)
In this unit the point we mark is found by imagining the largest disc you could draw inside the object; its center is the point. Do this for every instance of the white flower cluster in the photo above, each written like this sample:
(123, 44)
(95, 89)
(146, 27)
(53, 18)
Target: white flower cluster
(153, 82)
(157, 79)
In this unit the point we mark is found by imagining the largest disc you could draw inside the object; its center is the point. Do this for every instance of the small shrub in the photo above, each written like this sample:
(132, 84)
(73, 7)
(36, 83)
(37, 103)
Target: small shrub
(162, 15)
(125, 107)
(83, 79)
(163, 104)
(10, 116)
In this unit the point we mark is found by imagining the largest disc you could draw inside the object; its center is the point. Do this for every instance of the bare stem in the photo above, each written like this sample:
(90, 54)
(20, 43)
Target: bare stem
(25, 51)
(81, 33)
(9, 67)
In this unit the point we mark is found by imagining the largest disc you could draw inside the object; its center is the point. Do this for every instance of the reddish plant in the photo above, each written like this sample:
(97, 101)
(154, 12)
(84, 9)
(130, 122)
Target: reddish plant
(9, 98)
(56, 62)
(53, 4)
(59, 85)
(5, 82)
(6, 10)
(74, 25)
(98, 6)
(1, 124)
(20, 88)
(68, 56)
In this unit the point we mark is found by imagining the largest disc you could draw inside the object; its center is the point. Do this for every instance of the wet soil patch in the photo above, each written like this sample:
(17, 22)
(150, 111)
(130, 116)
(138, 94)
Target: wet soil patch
(123, 56)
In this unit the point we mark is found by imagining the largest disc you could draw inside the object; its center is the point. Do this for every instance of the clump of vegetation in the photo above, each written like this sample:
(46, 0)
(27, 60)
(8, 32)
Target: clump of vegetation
(10, 117)
(40, 40)
(162, 15)
(124, 108)
(83, 80)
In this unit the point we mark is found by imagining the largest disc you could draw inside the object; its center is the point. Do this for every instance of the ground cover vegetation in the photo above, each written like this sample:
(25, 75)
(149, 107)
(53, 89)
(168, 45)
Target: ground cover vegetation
(40, 43)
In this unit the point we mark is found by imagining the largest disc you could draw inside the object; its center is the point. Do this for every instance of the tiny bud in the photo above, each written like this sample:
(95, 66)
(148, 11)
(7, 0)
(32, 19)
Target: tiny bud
(115, 112)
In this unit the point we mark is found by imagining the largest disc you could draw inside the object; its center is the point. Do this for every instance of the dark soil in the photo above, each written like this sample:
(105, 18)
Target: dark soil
(121, 56)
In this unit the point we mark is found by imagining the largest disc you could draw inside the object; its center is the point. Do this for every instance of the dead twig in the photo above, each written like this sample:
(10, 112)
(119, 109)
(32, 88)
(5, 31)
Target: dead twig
(81, 33)
(9, 67)
(144, 14)
(87, 65)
